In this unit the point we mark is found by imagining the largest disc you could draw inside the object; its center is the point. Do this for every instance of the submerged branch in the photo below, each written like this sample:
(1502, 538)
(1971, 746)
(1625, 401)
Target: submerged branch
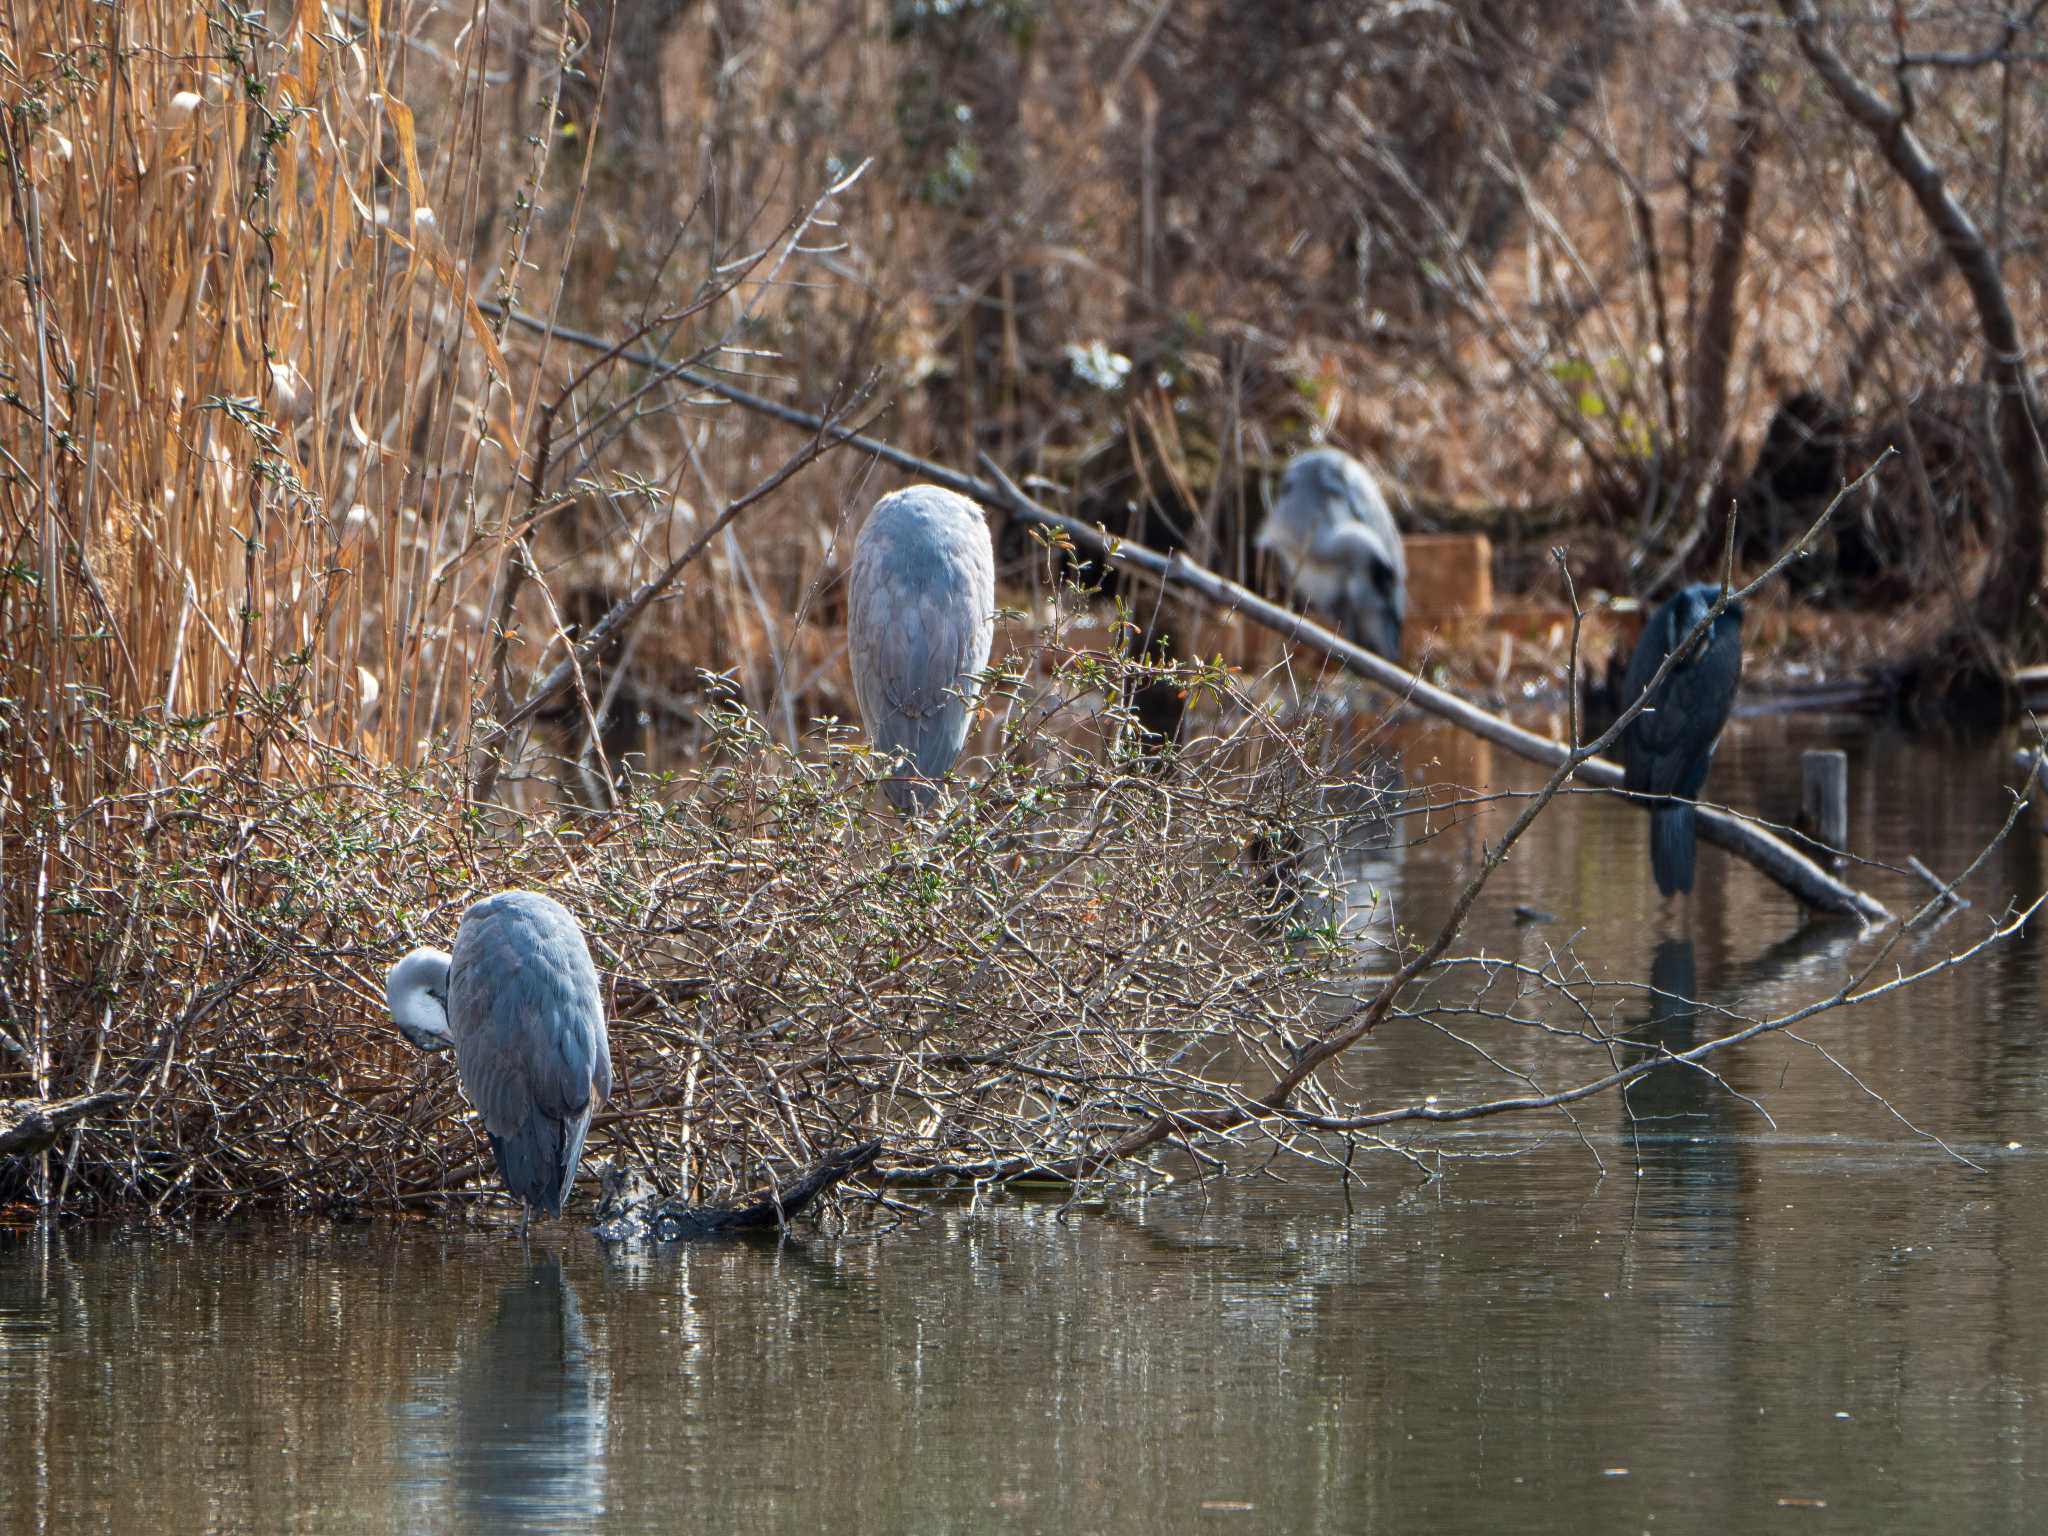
(628, 1209)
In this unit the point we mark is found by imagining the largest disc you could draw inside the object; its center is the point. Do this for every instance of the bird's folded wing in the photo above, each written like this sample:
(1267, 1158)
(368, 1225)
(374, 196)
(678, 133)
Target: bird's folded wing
(1350, 543)
(923, 648)
(528, 1026)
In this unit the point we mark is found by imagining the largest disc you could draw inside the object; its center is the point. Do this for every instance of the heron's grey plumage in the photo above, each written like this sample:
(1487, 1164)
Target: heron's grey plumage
(920, 621)
(1336, 537)
(527, 1022)
(1668, 747)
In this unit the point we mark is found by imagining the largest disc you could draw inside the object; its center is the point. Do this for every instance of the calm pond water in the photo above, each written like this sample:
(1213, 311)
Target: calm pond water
(1764, 1305)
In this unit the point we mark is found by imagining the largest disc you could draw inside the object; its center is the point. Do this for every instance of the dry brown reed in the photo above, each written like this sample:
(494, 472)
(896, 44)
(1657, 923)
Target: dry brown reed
(269, 480)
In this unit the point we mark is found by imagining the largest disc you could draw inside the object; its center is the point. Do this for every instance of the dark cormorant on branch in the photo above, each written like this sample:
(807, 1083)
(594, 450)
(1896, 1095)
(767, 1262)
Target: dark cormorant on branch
(1666, 748)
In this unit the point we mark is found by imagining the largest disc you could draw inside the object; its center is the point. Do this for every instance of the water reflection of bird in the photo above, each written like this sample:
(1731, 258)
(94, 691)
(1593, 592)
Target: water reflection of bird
(1667, 748)
(1677, 1124)
(1673, 1092)
(920, 621)
(1370, 847)
(1335, 535)
(519, 1003)
(530, 1411)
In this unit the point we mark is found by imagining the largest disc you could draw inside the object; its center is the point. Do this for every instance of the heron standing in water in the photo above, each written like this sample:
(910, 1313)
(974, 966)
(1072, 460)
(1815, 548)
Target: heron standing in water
(518, 1001)
(1336, 536)
(1667, 748)
(920, 621)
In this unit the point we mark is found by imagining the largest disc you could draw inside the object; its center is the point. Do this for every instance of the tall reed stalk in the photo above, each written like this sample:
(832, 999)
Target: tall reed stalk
(257, 434)
(256, 446)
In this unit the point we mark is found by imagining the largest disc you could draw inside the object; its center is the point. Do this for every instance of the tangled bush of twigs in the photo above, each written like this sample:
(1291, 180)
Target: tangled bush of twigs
(1086, 936)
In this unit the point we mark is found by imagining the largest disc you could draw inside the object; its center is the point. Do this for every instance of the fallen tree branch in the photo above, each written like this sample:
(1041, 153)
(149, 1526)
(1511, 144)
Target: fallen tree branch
(1778, 860)
(1944, 891)
(629, 1209)
(30, 1127)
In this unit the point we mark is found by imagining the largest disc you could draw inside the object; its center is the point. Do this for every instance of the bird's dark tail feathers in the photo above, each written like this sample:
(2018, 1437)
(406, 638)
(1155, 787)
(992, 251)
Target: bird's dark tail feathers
(535, 1161)
(1673, 844)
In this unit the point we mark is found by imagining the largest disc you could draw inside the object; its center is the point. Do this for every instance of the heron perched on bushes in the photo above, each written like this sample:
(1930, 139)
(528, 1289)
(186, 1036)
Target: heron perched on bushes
(920, 621)
(1335, 535)
(518, 1001)
(1667, 747)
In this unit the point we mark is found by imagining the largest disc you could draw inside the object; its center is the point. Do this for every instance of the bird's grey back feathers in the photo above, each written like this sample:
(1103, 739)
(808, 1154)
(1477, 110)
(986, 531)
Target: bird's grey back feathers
(920, 621)
(1333, 530)
(530, 1038)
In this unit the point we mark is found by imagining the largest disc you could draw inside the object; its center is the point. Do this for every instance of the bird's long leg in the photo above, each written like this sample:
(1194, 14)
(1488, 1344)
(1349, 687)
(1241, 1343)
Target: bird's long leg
(525, 1219)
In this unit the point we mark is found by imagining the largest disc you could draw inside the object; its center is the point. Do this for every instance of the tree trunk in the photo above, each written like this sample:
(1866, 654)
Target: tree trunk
(1714, 347)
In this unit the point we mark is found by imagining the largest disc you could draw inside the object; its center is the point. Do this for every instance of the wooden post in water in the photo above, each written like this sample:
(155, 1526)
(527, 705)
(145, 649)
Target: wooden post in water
(1824, 798)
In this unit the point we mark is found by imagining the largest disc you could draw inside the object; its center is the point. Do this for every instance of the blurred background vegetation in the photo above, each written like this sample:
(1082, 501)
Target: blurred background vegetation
(1561, 272)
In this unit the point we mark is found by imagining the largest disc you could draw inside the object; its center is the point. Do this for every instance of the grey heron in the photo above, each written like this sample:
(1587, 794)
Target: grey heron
(920, 621)
(1667, 748)
(1336, 538)
(518, 1001)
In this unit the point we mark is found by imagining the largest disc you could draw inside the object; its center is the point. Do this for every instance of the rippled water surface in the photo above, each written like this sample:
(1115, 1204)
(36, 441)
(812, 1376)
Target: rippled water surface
(1753, 1302)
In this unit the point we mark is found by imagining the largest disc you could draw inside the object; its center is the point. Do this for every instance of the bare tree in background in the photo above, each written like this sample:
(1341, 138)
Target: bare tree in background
(2008, 597)
(1714, 347)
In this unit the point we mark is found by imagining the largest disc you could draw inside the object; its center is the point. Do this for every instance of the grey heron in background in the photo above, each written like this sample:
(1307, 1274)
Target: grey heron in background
(1335, 535)
(518, 1001)
(920, 621)
(1667, 748)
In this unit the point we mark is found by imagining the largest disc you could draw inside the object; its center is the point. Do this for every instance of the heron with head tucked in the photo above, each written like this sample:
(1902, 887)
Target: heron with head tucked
(518, 1001)
(1667, 748)
(920, 622)
(1336, 538)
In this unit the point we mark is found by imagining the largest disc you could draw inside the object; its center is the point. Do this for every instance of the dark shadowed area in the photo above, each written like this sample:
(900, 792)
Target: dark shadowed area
(1775, 1309)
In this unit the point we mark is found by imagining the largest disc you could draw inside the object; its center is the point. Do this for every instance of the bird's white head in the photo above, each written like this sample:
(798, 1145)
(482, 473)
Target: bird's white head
(417, 991)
